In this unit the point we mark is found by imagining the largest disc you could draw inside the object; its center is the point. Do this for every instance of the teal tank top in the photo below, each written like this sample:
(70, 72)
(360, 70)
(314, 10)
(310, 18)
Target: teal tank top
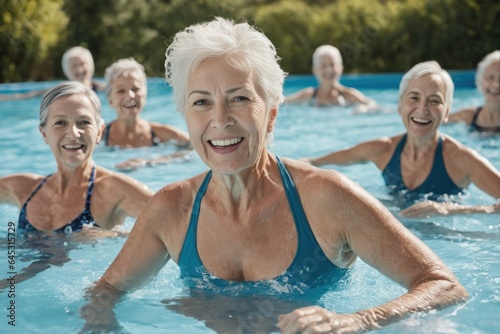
(309, 268)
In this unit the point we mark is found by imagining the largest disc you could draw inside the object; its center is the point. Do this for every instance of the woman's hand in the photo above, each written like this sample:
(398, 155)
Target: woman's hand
(315, 319)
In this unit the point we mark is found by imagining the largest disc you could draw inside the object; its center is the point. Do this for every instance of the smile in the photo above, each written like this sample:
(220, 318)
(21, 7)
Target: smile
(73, 147)
(226, 142)
(420, 120)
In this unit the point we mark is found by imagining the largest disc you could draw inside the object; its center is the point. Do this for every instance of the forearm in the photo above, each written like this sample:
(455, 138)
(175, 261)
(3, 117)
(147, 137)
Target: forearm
(425, 297)
(98, 311)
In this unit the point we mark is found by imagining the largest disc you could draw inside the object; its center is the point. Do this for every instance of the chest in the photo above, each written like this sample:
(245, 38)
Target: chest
(254, 246)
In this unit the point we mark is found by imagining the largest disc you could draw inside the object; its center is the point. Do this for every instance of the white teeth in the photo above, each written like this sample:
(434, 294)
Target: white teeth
(72, 147)
(421, 120)
(226, 142)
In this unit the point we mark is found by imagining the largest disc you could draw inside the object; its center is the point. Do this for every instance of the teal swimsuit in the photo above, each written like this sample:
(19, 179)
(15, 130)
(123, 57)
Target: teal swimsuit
(309, 268)
(437, 184)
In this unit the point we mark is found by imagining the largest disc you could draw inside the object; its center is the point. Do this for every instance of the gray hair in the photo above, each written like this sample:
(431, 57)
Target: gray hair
(489, 59)
(329, 50)
(424, 68)
(67, 89)
(123, 67)
(242, 45)
(76, 51)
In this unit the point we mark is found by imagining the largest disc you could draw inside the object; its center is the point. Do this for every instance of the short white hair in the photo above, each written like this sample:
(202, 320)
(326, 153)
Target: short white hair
(489, 59)
(329, 50)
(121, 67)
(76, 51)
(424, 68)
(242, 45)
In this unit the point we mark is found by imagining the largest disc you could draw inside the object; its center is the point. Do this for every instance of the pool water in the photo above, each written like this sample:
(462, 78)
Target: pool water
(49, 301)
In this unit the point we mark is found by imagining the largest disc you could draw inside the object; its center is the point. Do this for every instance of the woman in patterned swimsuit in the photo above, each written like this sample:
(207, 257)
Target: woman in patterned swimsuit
(79, 193)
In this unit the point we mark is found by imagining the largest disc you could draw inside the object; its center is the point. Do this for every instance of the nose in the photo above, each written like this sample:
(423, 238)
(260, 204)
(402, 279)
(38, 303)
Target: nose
(73, 132)
(222, 118)
(131, 93)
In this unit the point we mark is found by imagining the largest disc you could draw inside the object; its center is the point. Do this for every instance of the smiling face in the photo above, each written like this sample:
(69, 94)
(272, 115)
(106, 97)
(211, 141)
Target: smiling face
(80, 69)
(72, 131)
(128, 94)
(490, 84)
(226, 116)
(327, 70)
(423, 107)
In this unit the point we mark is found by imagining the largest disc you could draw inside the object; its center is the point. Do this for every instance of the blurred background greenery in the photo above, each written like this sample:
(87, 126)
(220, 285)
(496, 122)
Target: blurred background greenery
(372, 35)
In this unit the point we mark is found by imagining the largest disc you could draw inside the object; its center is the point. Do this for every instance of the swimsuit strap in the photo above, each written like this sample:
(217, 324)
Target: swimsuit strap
(154, 140)
(90, 188)
(474, 117)
(106, 134)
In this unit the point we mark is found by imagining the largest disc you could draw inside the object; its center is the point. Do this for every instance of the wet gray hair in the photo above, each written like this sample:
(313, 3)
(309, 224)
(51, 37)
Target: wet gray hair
(67, 89)
(424, 68)
(76, 51)
(489, 59)
(329, 50)
(123, 67)
(241, 44)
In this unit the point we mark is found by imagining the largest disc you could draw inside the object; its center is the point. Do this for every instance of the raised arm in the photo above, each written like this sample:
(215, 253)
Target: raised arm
(364, 226)
(363, 103)
(300, 96)
(462, 116)
(168, 132)
(367, 151)
(16, 188)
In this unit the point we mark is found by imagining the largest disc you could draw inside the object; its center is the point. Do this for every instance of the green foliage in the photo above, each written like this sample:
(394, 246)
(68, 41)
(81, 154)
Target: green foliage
(28, 30)
(373, 36)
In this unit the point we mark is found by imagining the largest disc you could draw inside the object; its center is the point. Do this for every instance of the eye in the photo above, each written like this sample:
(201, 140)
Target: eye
(240, 99)
(135, 90)
(60, 122)
(200, 102)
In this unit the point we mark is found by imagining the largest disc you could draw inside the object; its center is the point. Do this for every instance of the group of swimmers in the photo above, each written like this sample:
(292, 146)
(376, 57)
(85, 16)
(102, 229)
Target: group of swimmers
(222, 224)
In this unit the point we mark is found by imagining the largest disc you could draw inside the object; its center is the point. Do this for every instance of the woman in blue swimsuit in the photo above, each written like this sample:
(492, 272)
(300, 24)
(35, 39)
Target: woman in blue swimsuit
(486, 118)
(327, 68)
(256, 218)
(79, 194)
(126, 89)
(422, 163)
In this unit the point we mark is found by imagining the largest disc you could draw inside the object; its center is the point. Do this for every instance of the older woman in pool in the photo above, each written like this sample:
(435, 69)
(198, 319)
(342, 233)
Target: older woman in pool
(485, 118)
(327, 68)
(77, 64)
(222, 224)
(423, 161)
(127, 90)
(79, 194)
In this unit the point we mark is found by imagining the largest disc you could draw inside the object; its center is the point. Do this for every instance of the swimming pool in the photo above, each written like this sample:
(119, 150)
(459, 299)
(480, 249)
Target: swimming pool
(49, 301)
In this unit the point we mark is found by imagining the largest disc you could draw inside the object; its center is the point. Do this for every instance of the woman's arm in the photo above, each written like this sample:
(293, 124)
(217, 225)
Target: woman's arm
(140, 259)
(366, 227)
(300, 96)
(363, 152)
(168, 132)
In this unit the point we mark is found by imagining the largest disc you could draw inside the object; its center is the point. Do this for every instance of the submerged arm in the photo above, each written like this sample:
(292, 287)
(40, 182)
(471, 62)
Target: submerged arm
(140, 259)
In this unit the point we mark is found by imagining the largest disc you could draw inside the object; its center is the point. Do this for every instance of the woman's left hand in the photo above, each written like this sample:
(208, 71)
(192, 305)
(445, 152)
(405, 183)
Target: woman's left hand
(315, 319)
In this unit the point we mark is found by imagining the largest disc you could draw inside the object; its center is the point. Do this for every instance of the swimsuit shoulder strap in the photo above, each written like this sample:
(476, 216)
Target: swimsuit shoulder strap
(106, 133)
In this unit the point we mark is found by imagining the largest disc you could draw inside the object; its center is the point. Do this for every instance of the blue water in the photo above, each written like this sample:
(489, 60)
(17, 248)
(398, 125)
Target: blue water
(49, 301)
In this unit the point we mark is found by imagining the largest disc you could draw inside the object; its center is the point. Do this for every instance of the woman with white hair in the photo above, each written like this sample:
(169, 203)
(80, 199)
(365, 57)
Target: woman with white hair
(254, 218)
(327, 68)
(79, 194)
(77, 65)
(485, 118)
(423, 163)
(127, 90)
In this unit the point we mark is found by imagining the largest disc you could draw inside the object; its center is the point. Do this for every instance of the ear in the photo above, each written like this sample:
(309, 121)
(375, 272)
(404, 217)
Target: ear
(44, 135)
(446, 115)
(100, 132)
(273, 114)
